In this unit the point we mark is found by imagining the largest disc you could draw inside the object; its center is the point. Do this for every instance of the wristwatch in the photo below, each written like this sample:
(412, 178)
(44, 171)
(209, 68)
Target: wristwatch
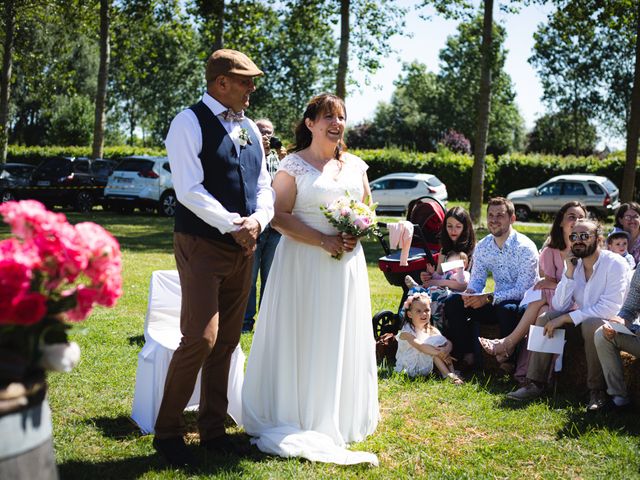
(489, 297)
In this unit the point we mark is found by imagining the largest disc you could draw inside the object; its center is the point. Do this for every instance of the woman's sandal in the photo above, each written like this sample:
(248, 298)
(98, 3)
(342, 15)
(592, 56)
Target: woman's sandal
(454, 378)
(499, 348)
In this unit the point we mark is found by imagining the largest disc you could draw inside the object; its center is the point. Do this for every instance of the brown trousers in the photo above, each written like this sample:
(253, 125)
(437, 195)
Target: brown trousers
(215, 279)
(540, 363)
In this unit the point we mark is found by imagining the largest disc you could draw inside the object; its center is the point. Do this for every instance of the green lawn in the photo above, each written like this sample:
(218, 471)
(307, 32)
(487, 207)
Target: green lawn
(429, 428)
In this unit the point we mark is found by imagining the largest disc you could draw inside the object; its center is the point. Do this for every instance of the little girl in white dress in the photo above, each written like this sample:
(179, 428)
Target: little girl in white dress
(420, 344)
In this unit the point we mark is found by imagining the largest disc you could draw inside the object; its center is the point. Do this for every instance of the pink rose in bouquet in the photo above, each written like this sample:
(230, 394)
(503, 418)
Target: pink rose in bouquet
(51, 272)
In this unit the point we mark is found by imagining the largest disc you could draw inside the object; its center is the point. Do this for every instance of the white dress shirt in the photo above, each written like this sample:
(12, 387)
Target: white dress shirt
(184, 143)
(599, 297)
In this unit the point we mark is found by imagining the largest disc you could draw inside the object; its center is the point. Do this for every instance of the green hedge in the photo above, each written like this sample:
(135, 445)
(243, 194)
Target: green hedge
(35, 155)
(507, 173)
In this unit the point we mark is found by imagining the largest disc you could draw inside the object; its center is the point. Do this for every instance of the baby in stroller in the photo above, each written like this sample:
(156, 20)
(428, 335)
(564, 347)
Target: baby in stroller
(420, 344)
(439, 282)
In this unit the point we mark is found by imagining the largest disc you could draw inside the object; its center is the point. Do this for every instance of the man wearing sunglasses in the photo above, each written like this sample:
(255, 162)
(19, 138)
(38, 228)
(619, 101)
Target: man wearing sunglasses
(595, 281)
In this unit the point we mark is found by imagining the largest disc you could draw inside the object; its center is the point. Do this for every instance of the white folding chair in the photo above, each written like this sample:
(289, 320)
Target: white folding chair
(162, 337)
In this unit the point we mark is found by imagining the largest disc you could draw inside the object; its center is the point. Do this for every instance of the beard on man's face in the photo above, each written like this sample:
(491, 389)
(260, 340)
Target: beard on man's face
(582, 250)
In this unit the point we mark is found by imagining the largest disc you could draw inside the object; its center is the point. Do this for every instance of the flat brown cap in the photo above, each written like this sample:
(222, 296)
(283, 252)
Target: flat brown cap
(225, 61)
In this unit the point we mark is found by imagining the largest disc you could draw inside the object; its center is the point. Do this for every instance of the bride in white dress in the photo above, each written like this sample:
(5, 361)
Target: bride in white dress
(311, 385)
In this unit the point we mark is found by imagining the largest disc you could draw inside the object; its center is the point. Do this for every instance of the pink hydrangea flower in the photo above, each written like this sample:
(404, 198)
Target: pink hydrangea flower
(49, 259)
(85, 299)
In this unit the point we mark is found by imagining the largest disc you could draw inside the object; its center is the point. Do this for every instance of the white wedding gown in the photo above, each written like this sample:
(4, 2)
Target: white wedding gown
(311, 384)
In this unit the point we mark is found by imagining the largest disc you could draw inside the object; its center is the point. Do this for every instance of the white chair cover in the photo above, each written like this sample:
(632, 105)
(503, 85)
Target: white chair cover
(162, 337)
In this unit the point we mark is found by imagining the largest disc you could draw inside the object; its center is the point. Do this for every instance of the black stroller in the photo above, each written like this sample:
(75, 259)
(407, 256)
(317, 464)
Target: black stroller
(427, 216)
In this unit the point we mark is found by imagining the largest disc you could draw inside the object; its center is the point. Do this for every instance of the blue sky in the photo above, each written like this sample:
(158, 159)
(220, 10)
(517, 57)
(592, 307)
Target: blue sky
(429, 37)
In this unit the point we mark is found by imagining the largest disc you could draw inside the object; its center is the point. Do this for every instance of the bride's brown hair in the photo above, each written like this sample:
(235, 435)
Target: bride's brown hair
(319, 105)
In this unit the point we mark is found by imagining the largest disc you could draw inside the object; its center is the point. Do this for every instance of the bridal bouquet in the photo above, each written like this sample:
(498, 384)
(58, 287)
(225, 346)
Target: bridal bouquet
(351, 216)
(51, 273)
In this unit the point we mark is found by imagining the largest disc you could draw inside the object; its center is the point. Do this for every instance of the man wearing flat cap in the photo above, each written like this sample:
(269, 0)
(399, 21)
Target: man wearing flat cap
(224, 201)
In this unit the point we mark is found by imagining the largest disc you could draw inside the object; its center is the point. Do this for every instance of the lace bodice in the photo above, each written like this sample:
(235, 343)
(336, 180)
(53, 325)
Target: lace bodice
(315, 189)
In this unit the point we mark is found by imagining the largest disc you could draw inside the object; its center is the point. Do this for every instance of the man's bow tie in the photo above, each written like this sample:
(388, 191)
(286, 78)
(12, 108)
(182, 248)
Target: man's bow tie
(231, 116)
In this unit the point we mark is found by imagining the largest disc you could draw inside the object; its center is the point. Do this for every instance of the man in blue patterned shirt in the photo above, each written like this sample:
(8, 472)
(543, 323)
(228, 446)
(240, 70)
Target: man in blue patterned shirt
(512, 259)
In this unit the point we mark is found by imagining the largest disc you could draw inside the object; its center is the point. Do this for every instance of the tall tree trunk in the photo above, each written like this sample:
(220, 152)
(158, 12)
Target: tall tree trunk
(212, 14)
(219, 13)
(343, 61)
(484, 107)
(575, 128)
(5, 78)
(103, 76)
(633, 128)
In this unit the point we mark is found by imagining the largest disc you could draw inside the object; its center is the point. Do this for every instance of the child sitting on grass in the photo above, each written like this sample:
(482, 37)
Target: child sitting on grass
(439, 285)
(420, 344)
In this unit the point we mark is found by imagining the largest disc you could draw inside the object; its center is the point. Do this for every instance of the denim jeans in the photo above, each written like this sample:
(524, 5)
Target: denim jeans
(263, 257)
(462, 323)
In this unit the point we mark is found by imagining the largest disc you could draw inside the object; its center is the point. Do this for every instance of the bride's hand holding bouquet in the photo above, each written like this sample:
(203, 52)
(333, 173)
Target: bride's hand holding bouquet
(352, 218)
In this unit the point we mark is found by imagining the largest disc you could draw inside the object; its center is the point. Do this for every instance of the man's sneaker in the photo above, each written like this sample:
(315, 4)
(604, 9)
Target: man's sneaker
(597, 401)
(528, 392)
(175, 452)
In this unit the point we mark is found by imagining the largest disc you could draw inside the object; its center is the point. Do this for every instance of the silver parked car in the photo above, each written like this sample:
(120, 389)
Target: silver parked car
(599, 194)
(395, 191)
(143, 182)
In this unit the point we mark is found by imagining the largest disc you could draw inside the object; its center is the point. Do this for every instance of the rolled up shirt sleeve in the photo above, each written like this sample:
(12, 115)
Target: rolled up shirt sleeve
(608, 303)
(479, 274)
(563, 296)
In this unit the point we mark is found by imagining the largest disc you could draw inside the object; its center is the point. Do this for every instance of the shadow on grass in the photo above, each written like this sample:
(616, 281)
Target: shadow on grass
(135, 467)
(119, 427)
(579, 423)
(131, 467)
(123, 429)
(137, 340)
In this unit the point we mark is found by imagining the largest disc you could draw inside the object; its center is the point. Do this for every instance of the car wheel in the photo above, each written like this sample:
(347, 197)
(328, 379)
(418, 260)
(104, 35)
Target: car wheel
(6, 196)
(84, 202)
(168, 202)
(522, 213)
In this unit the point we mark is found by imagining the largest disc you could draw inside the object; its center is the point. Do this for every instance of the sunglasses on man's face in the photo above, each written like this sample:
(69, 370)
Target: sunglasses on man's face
(584, 236)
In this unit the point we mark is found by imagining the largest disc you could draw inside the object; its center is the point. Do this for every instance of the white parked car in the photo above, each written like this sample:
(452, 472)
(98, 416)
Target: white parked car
(599, 195)
(143, 182)
(395, 191)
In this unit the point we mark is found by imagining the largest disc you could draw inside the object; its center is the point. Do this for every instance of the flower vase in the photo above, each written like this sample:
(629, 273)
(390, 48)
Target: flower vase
(26, 443)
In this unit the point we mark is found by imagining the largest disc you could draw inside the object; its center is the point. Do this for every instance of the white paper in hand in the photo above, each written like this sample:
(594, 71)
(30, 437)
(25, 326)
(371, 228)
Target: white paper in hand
(531, 295)
(538, 342)
(618, 327)
(446, 266)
